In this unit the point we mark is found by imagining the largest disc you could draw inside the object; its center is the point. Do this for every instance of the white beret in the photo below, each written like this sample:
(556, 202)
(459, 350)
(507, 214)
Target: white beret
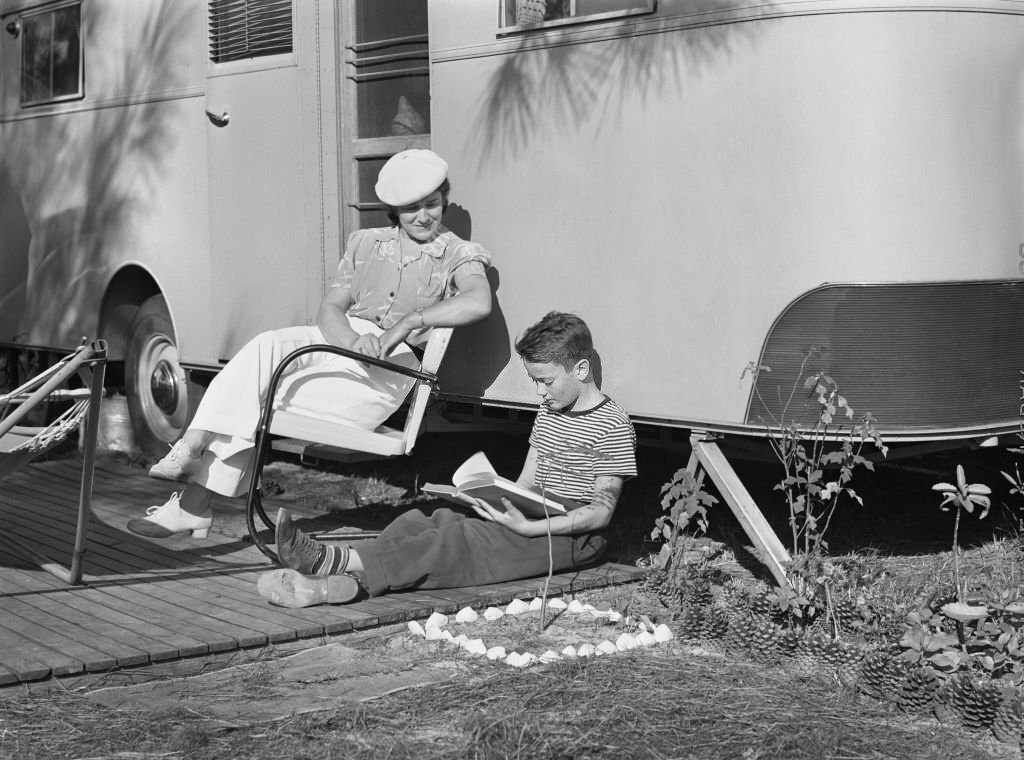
(408, 176)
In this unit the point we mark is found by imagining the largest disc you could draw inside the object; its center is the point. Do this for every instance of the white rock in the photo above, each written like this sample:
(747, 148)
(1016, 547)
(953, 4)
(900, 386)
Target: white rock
(569, 651)
(646, 639)
(475, 646)
(557, 604)
(586, 650)
(514, 659)
(536, 603)
(492, 613)
(416, 629)
(460, 640)
(496, 653)
(528, 658)
(433, 633)
(550, 656)
(625, 642)
(662, 633)
(466, 615)
(576, 606)
(446, 634)
(607, 647)
(592, 609)
(517, 607)
(436, 620)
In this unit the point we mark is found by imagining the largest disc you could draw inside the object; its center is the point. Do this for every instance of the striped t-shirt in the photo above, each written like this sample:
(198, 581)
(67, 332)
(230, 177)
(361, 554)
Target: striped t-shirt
(574, 448)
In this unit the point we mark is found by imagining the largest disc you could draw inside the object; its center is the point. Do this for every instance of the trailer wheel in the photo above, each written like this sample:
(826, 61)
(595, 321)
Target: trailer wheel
(156, 383)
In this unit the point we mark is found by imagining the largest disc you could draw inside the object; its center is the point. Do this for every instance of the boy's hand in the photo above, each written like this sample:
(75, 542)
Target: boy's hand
(511, 518)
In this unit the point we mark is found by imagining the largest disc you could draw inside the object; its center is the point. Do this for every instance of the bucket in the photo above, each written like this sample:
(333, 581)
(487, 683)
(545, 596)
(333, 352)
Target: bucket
(115, 426)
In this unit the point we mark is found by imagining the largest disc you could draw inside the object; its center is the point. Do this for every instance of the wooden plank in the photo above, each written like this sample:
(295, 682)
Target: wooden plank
(128, 639)
(772, 553)
(61, 651)
(25, 658)
(160, 642)
(179, 612)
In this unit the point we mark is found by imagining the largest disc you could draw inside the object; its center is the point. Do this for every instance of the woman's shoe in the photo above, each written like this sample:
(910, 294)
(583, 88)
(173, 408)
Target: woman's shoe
(177, 464)
(168, 519)
(290, 588)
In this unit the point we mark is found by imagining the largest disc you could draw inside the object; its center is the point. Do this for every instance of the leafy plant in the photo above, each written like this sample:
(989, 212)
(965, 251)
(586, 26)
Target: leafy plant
(963, 497)
(685, 501)
(818, 462)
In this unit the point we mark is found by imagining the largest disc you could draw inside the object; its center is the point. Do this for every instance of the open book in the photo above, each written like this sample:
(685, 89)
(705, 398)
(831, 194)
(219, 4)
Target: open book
(476, 477)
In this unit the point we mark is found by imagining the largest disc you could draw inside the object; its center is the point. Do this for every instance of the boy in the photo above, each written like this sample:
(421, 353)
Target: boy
(582, 448)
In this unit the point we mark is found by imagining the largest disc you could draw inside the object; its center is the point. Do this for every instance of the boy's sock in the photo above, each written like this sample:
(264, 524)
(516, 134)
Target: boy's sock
(299, 552)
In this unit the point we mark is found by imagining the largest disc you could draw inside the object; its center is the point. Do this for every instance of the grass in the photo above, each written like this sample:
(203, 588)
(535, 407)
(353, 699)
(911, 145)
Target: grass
(686, 700)
(681, 703)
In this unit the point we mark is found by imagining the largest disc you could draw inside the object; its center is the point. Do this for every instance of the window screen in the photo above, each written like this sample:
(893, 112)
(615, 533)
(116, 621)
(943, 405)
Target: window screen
(249, 29)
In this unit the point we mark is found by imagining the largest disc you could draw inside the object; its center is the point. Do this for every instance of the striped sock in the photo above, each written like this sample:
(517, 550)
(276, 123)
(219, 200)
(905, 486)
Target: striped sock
(330, 560)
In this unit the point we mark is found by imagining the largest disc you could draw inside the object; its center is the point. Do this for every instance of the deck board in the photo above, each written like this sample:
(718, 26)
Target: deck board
(146, 601)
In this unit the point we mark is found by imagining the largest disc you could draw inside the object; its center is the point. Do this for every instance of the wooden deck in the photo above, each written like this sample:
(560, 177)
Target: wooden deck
(147, 601)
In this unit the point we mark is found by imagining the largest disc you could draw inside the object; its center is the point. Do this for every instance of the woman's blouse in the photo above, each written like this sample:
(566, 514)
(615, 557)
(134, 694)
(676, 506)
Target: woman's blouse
(385, 286)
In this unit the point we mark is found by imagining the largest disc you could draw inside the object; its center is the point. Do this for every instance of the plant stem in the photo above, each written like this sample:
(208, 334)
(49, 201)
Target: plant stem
(956, 556)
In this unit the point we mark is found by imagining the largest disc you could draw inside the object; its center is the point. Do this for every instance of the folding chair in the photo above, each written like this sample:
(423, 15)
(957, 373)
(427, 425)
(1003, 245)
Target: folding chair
(383, 441)
(21, 444)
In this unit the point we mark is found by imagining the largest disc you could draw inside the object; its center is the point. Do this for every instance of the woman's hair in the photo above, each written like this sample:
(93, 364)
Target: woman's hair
(444, 188)
(559, 338)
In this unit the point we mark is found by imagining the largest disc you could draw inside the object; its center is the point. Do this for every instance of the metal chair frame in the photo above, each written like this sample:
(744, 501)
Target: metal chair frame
(384, 441)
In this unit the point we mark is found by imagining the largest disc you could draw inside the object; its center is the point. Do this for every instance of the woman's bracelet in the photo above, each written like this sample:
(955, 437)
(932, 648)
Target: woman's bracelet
(423, 322)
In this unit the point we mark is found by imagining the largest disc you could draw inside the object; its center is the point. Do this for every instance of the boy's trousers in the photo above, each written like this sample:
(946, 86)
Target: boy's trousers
(447, 549)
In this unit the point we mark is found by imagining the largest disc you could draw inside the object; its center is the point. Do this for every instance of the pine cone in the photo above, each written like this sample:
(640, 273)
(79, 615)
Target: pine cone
(1009, 718)
(981, 703)
(958, 702)
(919, 689)
(756, 635)
(881, 675)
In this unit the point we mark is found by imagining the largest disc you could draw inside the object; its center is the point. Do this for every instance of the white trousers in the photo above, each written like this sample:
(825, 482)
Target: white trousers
(318, 384)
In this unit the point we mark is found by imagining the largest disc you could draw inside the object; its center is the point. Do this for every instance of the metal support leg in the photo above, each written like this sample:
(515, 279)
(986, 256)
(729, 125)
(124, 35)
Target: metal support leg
(707, 455)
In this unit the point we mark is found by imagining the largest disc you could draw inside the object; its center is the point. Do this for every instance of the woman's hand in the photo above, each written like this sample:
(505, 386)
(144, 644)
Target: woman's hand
(398, 332)
(368, 345)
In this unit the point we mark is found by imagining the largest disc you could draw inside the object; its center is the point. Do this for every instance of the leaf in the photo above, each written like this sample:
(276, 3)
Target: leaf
(964, 612)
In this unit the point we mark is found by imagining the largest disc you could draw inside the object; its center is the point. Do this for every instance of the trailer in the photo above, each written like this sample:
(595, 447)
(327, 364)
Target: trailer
(709, 184)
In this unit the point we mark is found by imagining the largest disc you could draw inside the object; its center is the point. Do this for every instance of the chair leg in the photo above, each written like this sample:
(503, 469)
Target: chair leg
(254, 500)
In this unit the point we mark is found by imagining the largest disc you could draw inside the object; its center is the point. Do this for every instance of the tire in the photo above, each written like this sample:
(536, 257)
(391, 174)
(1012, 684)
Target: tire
(157, 388)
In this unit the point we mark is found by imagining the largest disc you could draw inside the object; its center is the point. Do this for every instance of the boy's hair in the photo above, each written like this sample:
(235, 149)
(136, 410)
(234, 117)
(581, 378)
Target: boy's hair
(559, 338)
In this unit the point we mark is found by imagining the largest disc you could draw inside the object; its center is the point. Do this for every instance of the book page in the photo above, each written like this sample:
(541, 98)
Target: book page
(476, 465)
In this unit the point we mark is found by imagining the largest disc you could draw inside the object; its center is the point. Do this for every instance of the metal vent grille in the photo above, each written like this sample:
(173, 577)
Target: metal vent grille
(249, 29)
(923, 356)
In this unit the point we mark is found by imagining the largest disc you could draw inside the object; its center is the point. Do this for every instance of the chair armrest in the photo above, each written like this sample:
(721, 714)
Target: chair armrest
(428, 377)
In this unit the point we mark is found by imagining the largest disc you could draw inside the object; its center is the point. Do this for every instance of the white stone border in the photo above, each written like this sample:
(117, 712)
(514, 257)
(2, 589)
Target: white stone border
(433, 629)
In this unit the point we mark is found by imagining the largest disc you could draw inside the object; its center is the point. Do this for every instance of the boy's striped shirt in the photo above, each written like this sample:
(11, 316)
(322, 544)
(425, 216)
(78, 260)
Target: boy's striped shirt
(575, 448)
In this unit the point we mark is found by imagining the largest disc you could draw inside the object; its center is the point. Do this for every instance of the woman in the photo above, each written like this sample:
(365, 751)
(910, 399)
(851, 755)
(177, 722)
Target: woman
(391, 286)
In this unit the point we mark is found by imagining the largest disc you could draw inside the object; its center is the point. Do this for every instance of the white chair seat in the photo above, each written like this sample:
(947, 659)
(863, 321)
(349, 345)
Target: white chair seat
(384, 441)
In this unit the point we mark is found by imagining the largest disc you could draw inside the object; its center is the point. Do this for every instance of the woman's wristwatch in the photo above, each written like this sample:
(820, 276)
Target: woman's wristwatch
(423, 322)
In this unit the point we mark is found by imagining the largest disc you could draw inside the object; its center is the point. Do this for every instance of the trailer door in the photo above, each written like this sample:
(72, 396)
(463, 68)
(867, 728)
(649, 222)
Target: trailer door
(265, 215)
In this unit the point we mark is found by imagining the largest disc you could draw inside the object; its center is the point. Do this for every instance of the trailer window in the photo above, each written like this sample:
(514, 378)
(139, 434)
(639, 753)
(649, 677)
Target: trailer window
(387, 93)
(249, 29)
(51, 55)
(517, 15)
(391, 68)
